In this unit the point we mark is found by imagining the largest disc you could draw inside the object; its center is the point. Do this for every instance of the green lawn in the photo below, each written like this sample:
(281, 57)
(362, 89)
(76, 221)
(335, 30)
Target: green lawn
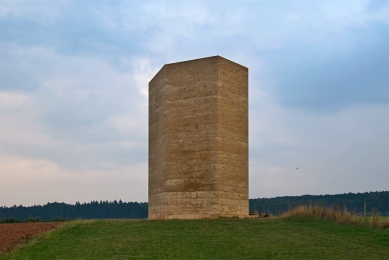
(284, 238)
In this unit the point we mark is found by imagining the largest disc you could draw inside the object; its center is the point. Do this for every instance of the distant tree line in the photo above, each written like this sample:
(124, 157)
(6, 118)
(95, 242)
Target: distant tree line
(353, 202)
(62, 211)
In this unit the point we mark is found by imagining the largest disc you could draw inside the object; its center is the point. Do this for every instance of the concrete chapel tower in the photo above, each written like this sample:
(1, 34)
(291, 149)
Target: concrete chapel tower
(198, 140)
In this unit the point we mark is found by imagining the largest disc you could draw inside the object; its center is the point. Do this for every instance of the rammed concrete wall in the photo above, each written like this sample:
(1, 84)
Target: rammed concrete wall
(198, 140)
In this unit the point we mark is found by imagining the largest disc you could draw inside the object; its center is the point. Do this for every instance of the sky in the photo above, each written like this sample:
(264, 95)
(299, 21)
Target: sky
(74, 92)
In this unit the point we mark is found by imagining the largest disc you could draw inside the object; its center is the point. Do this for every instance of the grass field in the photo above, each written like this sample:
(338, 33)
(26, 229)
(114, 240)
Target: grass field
(273, 238)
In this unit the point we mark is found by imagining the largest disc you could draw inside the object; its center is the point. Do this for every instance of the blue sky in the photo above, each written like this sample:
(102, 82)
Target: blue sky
(74, 80)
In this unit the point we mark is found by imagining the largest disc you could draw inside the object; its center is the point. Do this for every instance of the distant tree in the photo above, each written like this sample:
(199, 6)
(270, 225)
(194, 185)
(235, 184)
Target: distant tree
(94, 209)
(351, 201)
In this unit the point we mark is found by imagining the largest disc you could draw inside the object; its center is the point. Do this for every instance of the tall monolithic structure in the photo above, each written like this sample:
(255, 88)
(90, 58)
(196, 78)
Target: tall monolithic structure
(198, 140)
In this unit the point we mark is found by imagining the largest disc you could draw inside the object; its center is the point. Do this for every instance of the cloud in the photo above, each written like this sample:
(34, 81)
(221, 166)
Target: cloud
(40, 10)
(124, 123)
(334, 74)
(74, 85)
(347, 148)
(30, 182)
(69, 27)
(77, 102)
(144, 71)
(11, 101)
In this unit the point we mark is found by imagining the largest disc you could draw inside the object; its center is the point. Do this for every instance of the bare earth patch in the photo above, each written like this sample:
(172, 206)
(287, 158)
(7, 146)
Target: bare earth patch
(14, 234)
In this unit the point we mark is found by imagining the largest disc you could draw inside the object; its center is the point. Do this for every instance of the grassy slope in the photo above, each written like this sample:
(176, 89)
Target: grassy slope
(209, 239)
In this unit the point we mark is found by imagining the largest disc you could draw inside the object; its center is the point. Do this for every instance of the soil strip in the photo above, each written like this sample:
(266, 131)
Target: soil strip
(15, 234)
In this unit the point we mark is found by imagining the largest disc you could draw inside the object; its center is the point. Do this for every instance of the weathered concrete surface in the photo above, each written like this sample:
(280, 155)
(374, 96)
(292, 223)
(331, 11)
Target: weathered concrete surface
(198, 140)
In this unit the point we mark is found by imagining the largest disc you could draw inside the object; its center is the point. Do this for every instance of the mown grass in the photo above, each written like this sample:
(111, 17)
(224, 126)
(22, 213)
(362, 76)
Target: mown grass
(272, 238)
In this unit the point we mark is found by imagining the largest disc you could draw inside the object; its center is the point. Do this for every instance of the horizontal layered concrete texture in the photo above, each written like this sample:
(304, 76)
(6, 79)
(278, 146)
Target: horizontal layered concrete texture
(198, 140)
